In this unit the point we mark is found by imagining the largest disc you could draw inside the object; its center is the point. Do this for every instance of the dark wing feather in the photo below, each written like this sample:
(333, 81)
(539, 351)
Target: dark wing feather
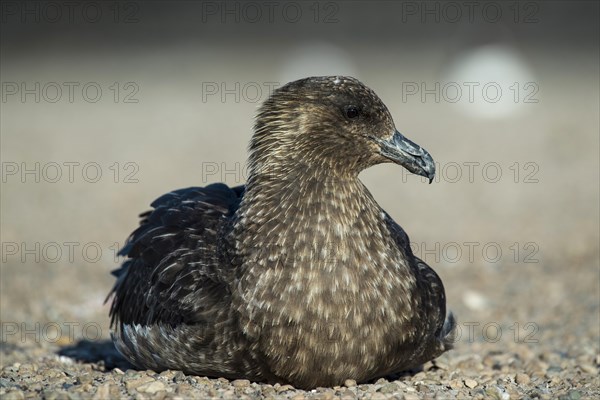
(429, 285)
(173, 272)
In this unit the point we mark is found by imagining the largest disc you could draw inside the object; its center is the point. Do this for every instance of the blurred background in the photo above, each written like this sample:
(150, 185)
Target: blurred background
(107, 105)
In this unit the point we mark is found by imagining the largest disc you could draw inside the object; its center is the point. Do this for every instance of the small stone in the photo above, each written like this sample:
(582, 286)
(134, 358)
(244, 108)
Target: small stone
(378, 396)
(456, 384)
(151, 387)
(470, 383)
(14, 395)
(522, 379)
(25, 368)
(588, 368)
(55, 395)
(299, 396)
(103, 392)
(440, 364)
(347, 395)
(283, 388)
(5, 383)
(85, 378)
(421, 388)
(179, 377)
(411, 396)
(135, 383)
(184, 390)
(169, 374)
(389, 388)
(349, 383)
(241, 383)
(328, 395)
(419, 376)
(267, 391)
(86, 387)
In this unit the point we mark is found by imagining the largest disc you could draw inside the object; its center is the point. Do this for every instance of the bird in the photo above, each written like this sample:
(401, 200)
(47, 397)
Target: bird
(296, 277)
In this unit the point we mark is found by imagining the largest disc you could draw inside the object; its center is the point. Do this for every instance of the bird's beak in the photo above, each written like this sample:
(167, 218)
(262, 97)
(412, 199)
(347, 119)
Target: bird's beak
(410, 155)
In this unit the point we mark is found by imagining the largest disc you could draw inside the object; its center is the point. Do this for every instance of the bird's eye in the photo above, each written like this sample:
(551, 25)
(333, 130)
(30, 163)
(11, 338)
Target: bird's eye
(352, 112)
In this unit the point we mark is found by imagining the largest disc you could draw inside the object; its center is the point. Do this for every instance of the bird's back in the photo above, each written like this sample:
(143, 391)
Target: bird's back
(171, 306)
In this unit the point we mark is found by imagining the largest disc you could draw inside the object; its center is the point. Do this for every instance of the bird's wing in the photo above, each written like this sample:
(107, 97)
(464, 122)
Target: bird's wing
(174, 273)
(429, 285)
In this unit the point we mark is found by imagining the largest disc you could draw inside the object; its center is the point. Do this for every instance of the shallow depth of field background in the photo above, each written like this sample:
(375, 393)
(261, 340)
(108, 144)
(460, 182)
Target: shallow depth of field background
(511, 223)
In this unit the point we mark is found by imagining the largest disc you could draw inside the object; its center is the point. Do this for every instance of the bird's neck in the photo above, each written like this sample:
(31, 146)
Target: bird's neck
(301, 211)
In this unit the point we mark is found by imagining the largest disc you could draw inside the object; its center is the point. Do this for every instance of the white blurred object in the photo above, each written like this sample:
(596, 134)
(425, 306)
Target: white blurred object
(490, 81)
(475, 300)
(316, 59)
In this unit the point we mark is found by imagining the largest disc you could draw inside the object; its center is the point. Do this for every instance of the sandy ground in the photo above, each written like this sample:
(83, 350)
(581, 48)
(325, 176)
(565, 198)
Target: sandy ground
(518, 252)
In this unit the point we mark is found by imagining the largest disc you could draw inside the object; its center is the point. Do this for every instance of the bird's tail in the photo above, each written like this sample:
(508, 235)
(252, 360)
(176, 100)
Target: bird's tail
(448, 334)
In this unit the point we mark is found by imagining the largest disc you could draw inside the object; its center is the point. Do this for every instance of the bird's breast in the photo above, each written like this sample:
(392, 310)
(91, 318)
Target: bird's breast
(321, 281)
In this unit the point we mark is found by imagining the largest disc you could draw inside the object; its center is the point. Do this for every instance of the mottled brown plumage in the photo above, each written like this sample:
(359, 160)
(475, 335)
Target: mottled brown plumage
(297, 277)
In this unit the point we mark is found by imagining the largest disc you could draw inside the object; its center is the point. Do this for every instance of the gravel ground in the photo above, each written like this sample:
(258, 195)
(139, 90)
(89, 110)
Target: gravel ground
(542, 346)
(529, 321)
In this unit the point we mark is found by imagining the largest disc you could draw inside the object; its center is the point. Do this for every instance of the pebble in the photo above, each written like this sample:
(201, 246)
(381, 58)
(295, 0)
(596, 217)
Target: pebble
(85, 378)
(241, 383)
(378, 396)
(470, 383)
(14, 395)
(283, 388)
(327, 395)
(151, 387)
(456, 384)
(49, 394)
(389, 388)
(103, 392)
(588, 368)
(350, 383)
(135, 383)
(522, 379)
(347, 394)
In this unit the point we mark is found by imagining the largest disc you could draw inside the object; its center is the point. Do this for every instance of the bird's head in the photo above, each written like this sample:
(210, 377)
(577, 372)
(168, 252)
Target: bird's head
(334, 123)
